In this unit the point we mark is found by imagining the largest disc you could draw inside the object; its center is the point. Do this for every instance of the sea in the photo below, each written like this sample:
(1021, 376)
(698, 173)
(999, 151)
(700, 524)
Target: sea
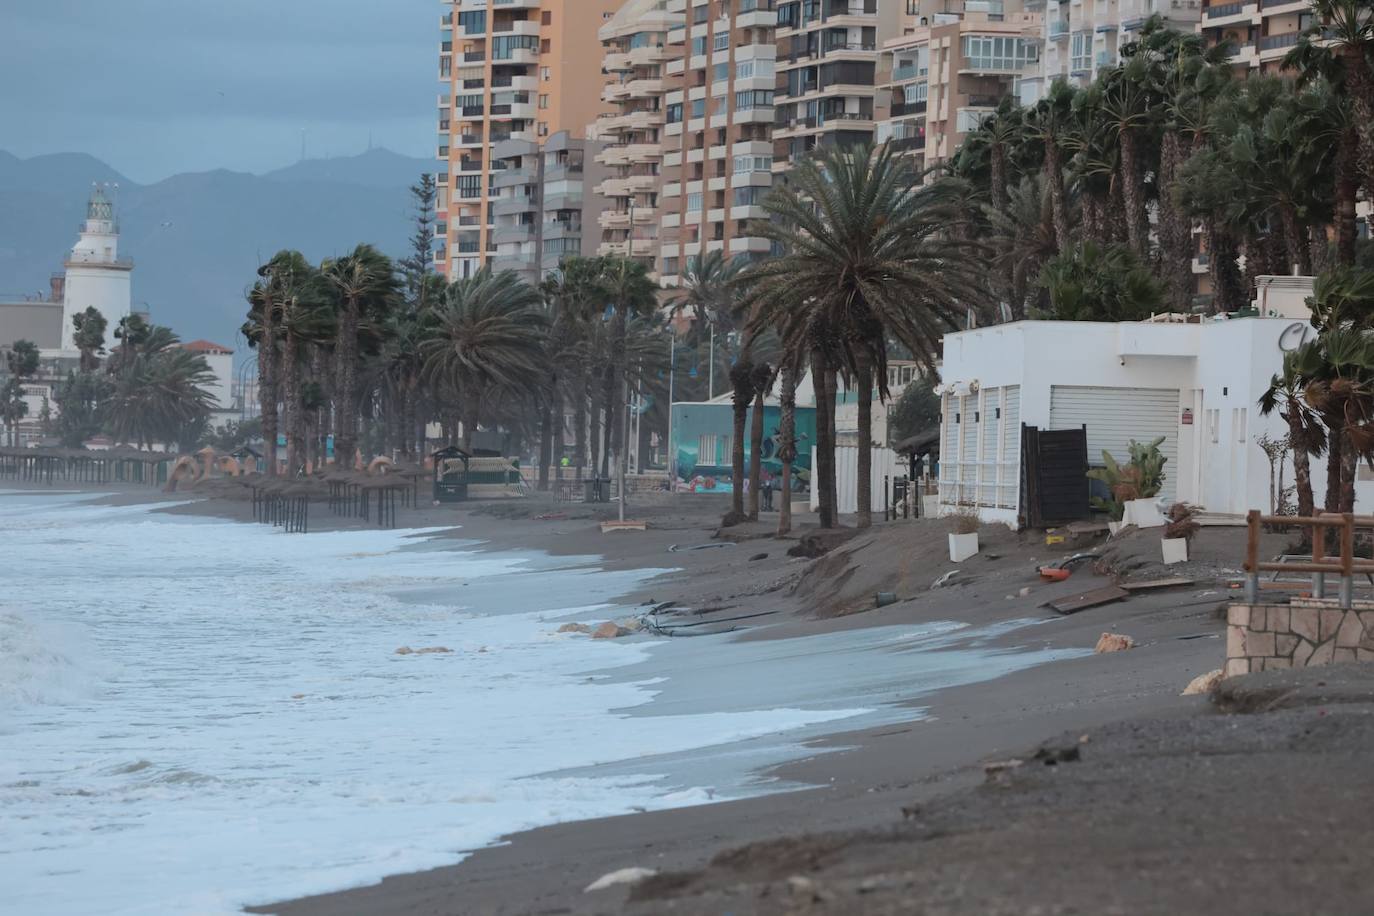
(198, 715)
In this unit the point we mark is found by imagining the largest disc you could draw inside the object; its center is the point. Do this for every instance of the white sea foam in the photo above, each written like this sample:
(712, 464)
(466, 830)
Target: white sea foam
(195, 715)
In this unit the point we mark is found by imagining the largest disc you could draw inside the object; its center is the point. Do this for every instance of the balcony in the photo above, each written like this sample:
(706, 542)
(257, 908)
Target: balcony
(1279, 42)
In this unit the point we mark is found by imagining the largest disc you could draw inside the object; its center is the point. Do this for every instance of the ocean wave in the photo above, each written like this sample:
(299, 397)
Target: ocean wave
(44, 662)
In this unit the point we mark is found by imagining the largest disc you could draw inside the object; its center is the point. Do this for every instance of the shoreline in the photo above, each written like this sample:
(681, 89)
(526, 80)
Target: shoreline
(860, 778)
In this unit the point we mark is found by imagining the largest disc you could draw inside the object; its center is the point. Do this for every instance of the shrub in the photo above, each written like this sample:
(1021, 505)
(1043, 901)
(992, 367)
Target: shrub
(1141, 478)
(1182, 522)
(965, 520)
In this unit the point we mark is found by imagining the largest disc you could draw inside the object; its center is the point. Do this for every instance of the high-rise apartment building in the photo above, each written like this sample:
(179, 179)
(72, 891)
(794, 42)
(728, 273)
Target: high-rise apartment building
(1260, 34)
(827, 72)
(1085, 36)
(717, 130)
(950, 70)
(635, 54)
(515, 72)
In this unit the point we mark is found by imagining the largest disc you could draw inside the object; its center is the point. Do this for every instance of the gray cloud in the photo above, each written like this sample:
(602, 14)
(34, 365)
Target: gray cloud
(161, 86)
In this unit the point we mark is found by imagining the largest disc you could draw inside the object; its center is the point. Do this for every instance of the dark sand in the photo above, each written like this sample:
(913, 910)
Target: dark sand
(1126, 829)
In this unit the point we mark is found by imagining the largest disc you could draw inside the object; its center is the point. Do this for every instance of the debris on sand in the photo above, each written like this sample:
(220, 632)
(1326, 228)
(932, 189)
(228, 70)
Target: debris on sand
(574, 628)
(1203, 683)
(758, 556)
(427, 650)
(998, 772)
(1053, 756)
(632, 875)
(609, 630)
(1113, 642)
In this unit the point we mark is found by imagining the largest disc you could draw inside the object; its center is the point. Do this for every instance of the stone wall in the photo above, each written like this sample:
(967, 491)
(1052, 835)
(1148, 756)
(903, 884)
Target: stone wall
(1306, 632)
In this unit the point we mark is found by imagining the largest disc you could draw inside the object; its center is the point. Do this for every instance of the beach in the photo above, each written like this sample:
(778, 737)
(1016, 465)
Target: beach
(813, 718)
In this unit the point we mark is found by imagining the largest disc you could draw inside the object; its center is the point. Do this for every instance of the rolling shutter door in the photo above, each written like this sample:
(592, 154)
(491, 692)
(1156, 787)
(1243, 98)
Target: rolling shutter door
(1115, 416)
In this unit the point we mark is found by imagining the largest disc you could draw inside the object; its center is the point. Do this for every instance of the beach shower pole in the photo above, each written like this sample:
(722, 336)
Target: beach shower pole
(624, 440)
(672, 367)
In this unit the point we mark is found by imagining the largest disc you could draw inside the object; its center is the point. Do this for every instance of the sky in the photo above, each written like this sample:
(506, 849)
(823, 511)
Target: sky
(158, 87)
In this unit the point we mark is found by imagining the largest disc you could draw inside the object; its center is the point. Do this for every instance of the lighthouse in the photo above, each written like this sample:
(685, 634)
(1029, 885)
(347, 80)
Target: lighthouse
(96, 275)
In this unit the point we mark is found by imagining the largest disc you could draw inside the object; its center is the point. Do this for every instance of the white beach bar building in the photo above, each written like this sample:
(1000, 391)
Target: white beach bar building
(1197, 385)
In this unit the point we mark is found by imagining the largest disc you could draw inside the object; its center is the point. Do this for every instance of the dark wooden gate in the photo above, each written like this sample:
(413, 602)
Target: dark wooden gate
(1054, 476)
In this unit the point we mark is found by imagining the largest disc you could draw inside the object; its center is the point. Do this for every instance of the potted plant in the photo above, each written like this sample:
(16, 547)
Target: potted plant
(1179, 528)
(1133, 487)
(963, 540)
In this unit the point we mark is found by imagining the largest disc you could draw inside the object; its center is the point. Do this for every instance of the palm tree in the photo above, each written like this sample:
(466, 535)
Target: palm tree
(630, 293)
(488, 334)
(261, 331)
(1022, 238)
(365, 285)
(867, 253)
(1306, 437)
(787, 436)
(21, 360)
(159, 389)
(1052, 123)
(710, 292)
(1344, 30)
(303, 319)
(1127, 109)
(90, 337)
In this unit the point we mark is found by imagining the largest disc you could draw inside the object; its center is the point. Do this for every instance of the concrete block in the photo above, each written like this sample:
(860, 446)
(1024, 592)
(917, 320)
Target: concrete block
(1235, 642)
(1350, 632)
(1237, 666)
(1277, 618)
(1271, 663)
(1257, 617)
(1304, 621)
(1238, 615)
(1331, 622)
(1367, 618)
(1343, 655)
(1322, 654)
(1259, 644)
(1364, 655)
(1284, 644)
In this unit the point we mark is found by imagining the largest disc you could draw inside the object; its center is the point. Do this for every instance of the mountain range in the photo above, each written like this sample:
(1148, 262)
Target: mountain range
(197, 239)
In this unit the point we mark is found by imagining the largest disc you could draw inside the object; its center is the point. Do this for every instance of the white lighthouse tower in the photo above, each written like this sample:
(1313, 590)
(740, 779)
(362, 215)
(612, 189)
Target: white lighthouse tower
(96, 276)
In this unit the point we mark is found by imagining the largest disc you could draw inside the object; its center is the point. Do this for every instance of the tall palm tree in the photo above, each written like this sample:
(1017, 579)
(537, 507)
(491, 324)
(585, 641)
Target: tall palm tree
(1127, 107)
(1306, 436)
(89, 337)
(488, 334)
(304, 319)
(365, 285)
(630, 293)
(710, 293)
(789, 372)
(1052, 123)
(868, 254)
(159, 388)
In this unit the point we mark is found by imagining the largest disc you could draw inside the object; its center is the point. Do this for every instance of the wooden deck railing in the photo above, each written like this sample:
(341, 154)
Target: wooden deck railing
(1345, 565)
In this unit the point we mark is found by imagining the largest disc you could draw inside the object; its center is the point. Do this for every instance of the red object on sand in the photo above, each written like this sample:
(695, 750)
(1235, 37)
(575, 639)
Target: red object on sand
(1054, 573)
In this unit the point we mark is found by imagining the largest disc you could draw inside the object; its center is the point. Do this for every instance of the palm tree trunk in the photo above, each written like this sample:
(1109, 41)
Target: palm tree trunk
(787, 442)
(1131, 196)
(580, 424)
(1347, 190)
(1054, 179)
(346, 405)
(1295, 240)
(1302, 469)
(1175, 236)
(864, 475)
(756, 441)
(267, 392)
(1350, 460)
(823, 469)
(740, 378)
(292, 400)
(998, 162)
(594, 432)
(545, 443)
(471, 408)
(1335, 461)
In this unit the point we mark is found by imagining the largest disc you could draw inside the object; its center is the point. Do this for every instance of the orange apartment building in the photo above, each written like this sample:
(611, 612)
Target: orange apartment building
(636, 54)
(717, 131)
(949, 71)
(515, 73)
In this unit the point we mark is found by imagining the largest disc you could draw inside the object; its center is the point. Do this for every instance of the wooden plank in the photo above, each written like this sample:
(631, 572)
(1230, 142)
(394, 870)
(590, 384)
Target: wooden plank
(1152, 584)
(1074, 603)
(608, 527)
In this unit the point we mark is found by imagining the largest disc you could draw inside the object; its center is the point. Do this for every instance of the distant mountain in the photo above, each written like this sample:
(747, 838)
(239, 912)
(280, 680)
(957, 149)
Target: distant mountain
(198, 238)
(376, 168)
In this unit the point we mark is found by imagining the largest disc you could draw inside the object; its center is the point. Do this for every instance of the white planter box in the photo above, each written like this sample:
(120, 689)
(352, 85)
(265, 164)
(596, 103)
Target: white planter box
(930, 506)
(962, 546)
(1175, 550)
(1143, 513)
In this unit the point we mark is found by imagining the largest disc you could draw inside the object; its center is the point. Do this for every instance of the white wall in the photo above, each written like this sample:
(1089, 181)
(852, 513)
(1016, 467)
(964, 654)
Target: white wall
(1219, 368)
(886, 464)
(108, 289)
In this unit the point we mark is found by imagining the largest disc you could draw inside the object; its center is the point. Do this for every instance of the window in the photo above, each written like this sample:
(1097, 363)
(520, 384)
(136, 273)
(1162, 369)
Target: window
(713, 450)
(473, 22)
(989, 52)
(694, 201)
(1081, 48)
(699, 45)
(543, 129)
(544, 74)
(546, 18)
(753, 98)
(698, 108)
(753, 164)
(673, 113)
(720, 72)
(750, 196)
(504, 46)
(445, 66)
(744, 70)
(721, 41)
(469, 185)
(543, 100)
(718, 105)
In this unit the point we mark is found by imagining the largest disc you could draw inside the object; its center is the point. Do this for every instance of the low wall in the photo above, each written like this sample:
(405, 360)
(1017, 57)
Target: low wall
(1307, 632)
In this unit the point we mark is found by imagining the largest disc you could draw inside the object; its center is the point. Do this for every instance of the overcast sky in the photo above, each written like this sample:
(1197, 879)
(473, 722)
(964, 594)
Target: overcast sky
(156, 87)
